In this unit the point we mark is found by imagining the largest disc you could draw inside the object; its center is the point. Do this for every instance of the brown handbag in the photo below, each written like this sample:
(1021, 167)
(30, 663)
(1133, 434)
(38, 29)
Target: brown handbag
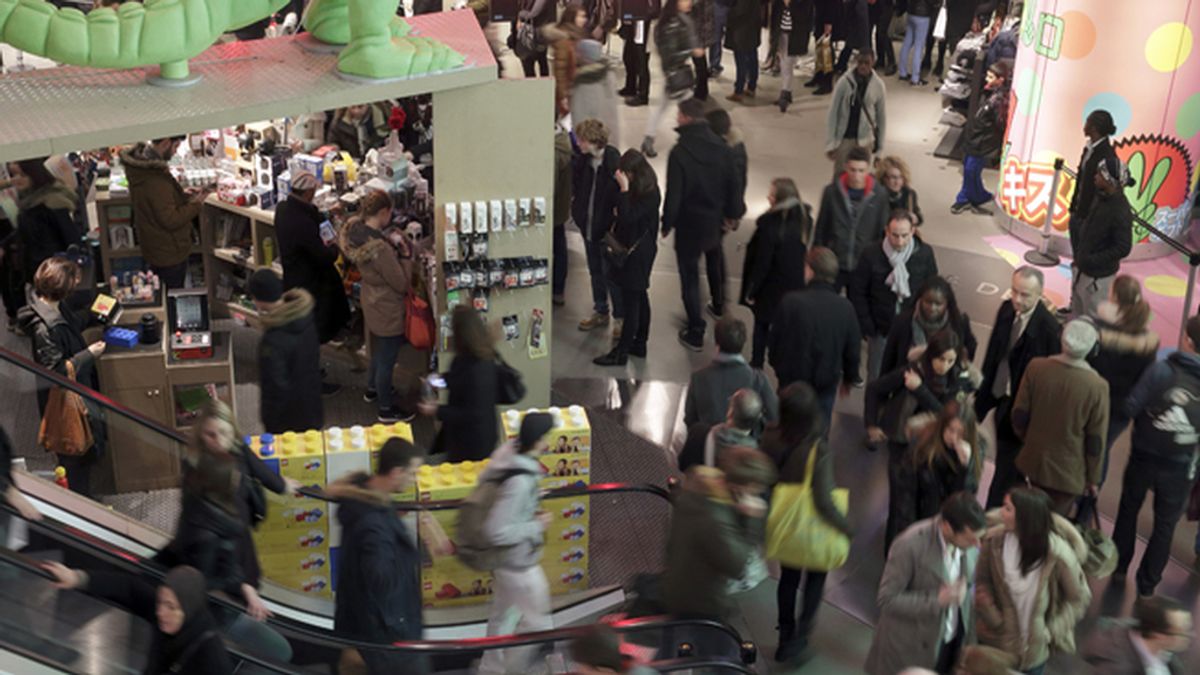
(65, 429)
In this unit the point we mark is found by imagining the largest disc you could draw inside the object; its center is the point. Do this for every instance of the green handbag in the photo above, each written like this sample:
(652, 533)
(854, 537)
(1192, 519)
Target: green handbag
(797, 536)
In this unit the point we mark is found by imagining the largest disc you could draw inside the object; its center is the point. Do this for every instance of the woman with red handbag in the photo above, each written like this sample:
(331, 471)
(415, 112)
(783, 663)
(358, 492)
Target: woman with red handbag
(58, 344)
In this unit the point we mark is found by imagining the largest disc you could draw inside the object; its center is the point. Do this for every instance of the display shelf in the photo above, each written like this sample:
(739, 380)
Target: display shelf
(60, 110)
(226, 256)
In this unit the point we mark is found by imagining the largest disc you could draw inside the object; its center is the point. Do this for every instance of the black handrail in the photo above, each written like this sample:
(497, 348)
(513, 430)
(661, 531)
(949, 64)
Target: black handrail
(569, 491)
(31, 566)
(134, 565)
(1192, 256)
(90, 394)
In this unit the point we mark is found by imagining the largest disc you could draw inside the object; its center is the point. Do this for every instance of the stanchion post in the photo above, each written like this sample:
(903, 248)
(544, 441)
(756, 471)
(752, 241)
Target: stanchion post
(1043, 257)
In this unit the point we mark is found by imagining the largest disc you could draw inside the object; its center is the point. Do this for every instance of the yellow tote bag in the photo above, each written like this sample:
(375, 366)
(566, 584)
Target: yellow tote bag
(797, 536)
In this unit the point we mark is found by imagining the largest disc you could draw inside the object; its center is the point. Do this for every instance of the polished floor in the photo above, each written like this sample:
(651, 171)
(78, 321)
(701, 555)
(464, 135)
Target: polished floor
(647, 394)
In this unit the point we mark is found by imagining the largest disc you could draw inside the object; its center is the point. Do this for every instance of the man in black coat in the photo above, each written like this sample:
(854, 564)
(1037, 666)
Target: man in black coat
(307, 259)
(379, 570)
(1024, 329)
(1102, 241)
(814, 337)
(853, 214)
(594, 194)
(703, 191)
(289, 356)
(879, 289)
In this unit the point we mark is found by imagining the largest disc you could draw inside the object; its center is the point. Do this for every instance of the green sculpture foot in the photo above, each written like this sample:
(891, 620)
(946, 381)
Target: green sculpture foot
(378, 60)
(328, 21)
(400, 27)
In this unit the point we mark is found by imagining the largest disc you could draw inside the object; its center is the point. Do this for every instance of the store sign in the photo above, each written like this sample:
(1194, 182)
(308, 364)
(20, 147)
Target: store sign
(1140, 62)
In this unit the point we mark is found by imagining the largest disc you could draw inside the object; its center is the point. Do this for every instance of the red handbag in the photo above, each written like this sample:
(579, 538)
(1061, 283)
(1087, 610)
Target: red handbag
(419, 327)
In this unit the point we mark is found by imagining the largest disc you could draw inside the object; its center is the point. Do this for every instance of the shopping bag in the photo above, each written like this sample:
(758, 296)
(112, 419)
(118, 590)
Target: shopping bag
(797, 536)
(823, 60)
(65, 429)
(939, 27)
(1101, 551)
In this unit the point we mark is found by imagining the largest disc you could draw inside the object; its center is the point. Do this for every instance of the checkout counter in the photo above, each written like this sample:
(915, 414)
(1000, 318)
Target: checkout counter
(167, 377)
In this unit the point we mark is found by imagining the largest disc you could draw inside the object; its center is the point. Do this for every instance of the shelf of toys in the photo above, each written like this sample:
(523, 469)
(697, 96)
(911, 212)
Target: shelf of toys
(297, 540)
(447, 582)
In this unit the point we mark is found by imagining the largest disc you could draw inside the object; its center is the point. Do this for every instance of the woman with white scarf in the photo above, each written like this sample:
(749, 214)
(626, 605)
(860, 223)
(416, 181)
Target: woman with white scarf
(882, 285)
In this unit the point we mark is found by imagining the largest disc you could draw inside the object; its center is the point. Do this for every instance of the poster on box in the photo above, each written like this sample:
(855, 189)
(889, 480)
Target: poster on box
(566, 466)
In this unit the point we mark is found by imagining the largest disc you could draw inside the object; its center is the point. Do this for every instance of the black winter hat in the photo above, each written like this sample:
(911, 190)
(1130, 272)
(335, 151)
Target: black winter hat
(265, 286)
(533, 428)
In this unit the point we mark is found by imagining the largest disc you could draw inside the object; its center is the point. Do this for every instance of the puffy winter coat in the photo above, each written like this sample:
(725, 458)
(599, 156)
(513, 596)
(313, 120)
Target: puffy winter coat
(289, 360)
(163, 214)
(386, 277)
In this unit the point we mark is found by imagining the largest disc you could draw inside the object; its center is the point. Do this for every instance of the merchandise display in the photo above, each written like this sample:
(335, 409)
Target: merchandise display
(298, 539)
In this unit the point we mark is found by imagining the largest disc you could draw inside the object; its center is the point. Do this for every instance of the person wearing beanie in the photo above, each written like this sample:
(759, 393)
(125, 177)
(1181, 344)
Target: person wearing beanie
(983, 138)
(517, 524)
(598, 652)
(1061, 415)
(1102, 240)
(289, 356)
(308, 259)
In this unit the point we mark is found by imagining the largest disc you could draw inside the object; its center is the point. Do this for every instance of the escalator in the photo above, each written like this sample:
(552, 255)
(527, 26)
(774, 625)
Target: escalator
(43, 629)
(125, 531)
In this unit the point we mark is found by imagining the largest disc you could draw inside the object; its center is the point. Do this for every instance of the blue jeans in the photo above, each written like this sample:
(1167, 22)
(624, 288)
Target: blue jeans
(384, 351)
(720, 14)
(972, 191)
(747, 70)
(827, 399)
(602, 288)
(914, 40)
(257, 639)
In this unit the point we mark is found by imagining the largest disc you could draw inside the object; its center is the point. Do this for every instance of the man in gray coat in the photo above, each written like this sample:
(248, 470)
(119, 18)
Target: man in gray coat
(516, 524)
(925, 608)
(858, 113)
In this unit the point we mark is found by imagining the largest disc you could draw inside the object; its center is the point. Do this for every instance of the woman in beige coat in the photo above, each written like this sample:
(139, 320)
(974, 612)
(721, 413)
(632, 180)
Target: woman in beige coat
(386, 265)
(1030, 589)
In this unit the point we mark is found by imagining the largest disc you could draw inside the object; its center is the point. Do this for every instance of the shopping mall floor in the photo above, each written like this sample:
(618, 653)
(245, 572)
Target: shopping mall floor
(637, 410)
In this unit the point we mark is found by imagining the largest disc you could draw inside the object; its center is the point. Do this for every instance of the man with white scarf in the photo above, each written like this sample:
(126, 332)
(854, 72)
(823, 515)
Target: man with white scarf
(889, 276)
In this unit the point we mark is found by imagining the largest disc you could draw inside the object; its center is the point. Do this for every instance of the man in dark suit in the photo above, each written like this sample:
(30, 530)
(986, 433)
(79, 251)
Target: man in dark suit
(1162, 628)
(1023, 329)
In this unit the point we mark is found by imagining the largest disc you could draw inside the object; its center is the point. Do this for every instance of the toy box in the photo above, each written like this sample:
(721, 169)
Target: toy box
(572, 433)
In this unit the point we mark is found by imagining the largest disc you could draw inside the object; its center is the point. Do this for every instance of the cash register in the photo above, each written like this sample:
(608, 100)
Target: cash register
(188, 319)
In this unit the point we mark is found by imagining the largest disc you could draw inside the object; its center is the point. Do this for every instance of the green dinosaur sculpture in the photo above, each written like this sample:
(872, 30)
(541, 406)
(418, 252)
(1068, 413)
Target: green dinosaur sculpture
(169, 32)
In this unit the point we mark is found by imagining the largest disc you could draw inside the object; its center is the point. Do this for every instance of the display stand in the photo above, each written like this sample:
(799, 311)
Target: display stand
(243, 240)
(119, 248)
(502, 161)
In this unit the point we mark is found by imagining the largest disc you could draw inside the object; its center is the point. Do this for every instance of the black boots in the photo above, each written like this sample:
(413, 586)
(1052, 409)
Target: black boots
(785, 99)
(613, 358)
(791, 645)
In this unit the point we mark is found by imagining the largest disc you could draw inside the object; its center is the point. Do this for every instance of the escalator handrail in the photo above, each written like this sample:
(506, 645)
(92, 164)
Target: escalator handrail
(31, 566)
(569, 491)
(92, 395)
(133, 565)
(88, 393)
(698, 663)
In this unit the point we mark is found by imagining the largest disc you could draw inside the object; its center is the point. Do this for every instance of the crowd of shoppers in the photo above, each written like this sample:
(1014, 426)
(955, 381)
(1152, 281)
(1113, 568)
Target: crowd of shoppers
(1012, 580)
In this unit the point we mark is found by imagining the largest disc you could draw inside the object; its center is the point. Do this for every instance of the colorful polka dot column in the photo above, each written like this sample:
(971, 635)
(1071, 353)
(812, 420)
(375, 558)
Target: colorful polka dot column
(1138, 60)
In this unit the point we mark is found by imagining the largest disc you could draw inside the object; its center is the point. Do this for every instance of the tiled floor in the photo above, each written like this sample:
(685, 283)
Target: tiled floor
(647, 394)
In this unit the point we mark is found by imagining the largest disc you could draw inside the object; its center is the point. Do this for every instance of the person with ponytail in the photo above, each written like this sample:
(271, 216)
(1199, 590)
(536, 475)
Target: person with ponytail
(1127, 347)
(1030, 587)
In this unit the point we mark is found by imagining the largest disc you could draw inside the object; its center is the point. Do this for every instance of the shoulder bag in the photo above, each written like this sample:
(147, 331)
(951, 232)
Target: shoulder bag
(1101, 551)
(616, 252)
(797, 536)
(65, 429)
(419, 327)
(510, 387)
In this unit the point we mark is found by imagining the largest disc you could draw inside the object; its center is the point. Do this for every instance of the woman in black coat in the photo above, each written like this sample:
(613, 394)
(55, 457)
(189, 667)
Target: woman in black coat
(774, 264)
(185, 640)
(308, 261)
(635, 229)
(935, 309)
(925, 384)
(209, 538)
(57, 336)
(46, 220)
(469, 421)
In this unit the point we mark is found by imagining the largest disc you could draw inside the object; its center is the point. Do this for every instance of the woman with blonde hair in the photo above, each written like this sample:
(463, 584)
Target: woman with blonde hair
(1125, 349)
(894, 175)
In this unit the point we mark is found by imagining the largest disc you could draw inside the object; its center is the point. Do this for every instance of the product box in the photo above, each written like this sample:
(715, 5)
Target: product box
(572, 433)
(291, 540)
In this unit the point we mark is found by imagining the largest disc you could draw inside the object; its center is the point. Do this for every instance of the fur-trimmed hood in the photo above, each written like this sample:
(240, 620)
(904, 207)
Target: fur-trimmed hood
(353, 488)
(1113, 339)
(295, 304)
(361, 244)
(55, 196)
(142, 157)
